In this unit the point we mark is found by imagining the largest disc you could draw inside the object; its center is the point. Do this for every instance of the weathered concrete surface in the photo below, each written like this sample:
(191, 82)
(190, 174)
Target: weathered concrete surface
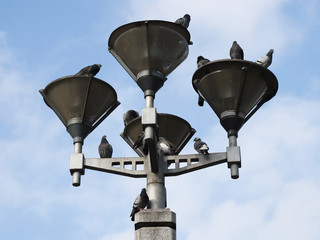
(155, 224)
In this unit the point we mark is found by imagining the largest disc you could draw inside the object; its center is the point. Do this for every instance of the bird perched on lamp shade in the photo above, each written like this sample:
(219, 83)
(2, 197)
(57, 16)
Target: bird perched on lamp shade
(105, 148)
(129, 116)
(266, 60)
(184, 21)
(202, 61)
(89, 71)
(236, 51)
(165, 146)
(200, 146)
(140, 203)
(140, 142)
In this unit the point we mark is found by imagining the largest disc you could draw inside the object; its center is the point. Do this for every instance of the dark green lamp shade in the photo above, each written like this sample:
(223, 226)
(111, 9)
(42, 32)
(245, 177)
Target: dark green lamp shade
(235, 87)
(80, 102)
(153, 46)
(175, 130)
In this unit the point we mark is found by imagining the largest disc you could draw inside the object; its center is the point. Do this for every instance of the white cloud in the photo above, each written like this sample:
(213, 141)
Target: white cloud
(295, 213)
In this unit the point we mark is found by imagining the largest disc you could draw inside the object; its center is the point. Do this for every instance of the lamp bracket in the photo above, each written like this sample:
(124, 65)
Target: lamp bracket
(136, 167)
(233, 155)
(77, 163)
(149, 117)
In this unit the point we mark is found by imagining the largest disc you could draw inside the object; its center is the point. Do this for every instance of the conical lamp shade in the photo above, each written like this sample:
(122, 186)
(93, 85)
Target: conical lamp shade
(234, 87)
(81, 103)
(173, 129)
(152, 46)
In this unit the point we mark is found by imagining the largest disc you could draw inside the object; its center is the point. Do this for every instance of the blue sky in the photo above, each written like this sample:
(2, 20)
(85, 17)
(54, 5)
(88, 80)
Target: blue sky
(278, 193)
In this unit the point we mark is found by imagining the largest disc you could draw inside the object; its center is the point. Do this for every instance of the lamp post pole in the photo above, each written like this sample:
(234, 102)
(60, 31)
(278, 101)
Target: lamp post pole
(155, 175)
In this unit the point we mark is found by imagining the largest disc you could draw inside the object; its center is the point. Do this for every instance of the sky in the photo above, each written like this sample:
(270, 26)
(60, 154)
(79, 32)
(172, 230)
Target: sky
(278, 193)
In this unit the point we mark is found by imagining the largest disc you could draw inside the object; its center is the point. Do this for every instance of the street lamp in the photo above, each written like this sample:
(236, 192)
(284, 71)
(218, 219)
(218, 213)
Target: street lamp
(235, 90)
(149, 51)
(81, 103)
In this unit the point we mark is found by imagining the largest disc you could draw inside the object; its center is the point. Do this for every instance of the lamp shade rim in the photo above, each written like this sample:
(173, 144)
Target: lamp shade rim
(120, 30)
(80, 102)
(72, 76)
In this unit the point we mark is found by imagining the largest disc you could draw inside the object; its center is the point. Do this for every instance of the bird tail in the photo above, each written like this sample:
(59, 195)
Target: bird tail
(133, 212)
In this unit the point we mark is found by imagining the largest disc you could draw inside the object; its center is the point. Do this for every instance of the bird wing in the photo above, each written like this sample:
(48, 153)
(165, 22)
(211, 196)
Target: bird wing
(263, 60)
(204, 147)
(179, 21)
(139, 140)
(137, 201)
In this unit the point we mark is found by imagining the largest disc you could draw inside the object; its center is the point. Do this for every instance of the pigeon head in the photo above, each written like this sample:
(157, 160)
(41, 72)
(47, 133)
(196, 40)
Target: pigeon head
(270, 52)
(187, 16)
(143, 190)
(104, 138)
(196, 139)
(200, 58)
(99, 65)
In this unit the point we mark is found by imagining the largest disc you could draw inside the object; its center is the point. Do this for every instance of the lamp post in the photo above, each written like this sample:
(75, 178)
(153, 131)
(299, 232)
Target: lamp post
(149, 51)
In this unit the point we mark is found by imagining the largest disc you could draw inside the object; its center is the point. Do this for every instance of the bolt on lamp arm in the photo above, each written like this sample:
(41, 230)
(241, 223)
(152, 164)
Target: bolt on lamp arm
(233, 154)
(77, 164)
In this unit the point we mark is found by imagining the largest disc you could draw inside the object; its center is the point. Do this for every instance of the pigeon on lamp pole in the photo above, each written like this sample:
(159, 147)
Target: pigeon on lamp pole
(266, 60)
(129, 116)
(165, 146)
(89, 71)
(202, 61)
(200, 146)
(105, 148)
(236, 51)
(184, 21)
(140, 203)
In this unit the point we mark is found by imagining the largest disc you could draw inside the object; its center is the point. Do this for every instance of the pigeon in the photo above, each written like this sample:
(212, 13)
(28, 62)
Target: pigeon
(140, 142)
(105, 148)
(200, 147)
(140, 203)
(202, 61)
(184, 21)
(129, 116)
(89, 71)
(266, 60)
(165, 146)
(236, 51)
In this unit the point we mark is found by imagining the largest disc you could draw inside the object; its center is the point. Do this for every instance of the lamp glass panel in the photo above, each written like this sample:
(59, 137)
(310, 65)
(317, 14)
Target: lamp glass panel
(68, 96)
(100, 98)
(167, 49)
(131, 47)
(255, 88)
(221, 90)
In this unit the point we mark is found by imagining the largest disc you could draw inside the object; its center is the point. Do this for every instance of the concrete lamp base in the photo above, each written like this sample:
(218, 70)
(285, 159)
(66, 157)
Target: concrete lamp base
(155, 224)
